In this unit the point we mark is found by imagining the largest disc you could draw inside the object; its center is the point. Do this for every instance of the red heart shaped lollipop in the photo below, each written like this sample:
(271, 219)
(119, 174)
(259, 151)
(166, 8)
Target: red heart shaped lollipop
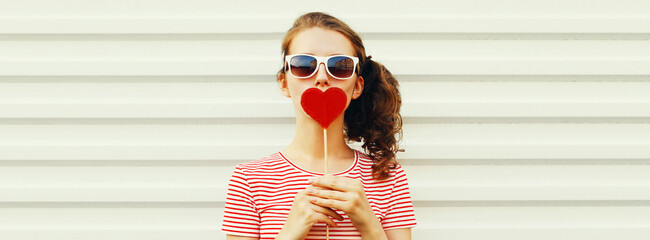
(323, 107)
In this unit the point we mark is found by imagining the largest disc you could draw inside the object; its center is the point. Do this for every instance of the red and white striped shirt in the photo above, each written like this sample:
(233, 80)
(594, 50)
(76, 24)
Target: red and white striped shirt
(261, 192)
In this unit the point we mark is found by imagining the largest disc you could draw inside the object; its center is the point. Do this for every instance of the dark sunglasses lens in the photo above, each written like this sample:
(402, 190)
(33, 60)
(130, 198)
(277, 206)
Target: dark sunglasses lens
(302, 66)
(341, 67)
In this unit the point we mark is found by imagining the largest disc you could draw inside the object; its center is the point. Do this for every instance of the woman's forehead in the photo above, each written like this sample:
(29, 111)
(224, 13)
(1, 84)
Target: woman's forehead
(321, 42)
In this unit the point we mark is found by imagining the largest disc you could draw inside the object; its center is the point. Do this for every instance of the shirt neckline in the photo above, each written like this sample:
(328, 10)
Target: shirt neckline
(356, 162)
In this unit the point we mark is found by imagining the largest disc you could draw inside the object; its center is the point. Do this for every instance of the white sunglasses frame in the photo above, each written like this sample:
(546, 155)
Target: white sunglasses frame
(320, 60)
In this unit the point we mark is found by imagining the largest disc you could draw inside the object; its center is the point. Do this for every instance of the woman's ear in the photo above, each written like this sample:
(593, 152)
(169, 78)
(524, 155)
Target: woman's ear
(358, 88)
(283, 85)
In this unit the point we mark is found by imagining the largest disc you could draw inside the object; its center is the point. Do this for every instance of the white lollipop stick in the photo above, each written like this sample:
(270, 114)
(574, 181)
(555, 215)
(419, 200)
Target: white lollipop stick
(327, 227)
(325, 147)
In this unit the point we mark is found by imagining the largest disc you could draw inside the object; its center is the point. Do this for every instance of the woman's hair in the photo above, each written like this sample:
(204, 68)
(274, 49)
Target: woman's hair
(374, 117)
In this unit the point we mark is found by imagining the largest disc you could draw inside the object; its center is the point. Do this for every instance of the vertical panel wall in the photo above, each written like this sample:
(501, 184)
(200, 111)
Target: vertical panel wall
(124, 119)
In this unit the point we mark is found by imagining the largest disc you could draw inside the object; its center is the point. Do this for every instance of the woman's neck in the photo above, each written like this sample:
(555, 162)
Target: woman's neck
(307, 145)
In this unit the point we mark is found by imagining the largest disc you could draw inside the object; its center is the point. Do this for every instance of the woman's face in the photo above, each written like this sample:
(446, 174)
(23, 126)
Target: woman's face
(320, 42)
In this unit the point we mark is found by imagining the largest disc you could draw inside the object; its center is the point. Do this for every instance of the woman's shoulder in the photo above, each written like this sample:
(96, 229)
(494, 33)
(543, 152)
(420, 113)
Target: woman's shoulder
(271, 160)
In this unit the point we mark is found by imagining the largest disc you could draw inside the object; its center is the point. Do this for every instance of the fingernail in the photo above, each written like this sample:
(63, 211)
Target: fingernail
(310, 180)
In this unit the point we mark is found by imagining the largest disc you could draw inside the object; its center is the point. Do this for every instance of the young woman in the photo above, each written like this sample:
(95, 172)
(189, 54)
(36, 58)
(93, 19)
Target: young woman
(286, 195)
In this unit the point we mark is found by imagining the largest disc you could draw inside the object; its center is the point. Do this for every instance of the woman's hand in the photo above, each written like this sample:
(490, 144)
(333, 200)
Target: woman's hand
(303, 215)
(349, 196)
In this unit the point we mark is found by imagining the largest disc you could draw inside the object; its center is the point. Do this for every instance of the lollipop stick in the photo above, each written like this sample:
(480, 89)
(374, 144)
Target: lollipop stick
(325, 147)
(327, 227)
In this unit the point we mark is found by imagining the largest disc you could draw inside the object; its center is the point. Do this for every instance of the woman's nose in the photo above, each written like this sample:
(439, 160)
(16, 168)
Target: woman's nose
(321, 76)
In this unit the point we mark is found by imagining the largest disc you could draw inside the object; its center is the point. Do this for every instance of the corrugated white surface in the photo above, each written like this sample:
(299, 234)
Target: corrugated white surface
(124, 119)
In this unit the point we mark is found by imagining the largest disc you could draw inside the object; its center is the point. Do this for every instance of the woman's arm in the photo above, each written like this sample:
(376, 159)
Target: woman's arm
(233, 237)
(398, 234)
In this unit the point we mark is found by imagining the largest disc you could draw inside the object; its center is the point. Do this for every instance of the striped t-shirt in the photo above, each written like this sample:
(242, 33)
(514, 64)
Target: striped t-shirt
(261, 192)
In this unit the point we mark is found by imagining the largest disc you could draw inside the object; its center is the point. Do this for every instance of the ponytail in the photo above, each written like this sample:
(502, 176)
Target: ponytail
(374, 117)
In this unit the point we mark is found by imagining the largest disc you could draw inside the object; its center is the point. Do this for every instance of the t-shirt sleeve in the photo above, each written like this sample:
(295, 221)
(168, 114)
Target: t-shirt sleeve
(240, 215)
(400, 213)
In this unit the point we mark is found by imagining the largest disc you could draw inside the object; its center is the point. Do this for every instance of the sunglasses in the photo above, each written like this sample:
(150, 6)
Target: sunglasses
(338, 66)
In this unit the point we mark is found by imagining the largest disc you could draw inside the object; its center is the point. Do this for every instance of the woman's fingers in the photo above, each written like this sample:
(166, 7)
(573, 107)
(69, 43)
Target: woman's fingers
(327, 211)
(316, 213)
(339, 193)
(327, 220)
(338, 183)
(326, 193)
(329, 203)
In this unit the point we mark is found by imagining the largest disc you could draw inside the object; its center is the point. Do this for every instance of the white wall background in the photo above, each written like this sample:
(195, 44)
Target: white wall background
(123, 119)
